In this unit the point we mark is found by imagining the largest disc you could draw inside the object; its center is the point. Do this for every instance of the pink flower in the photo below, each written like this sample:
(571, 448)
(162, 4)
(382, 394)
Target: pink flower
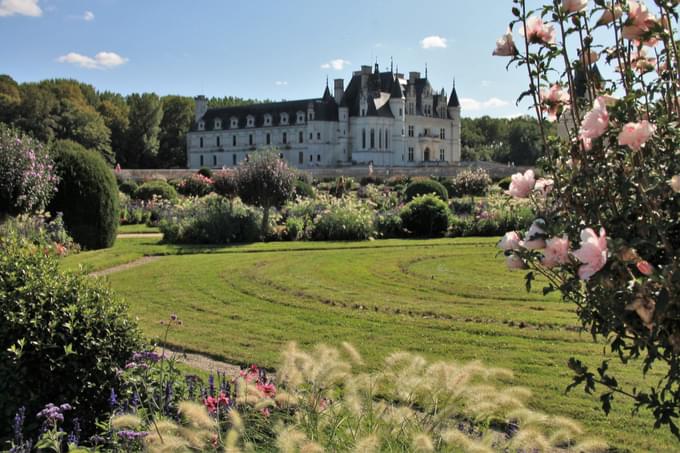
(641, 62)
(510, 241)
(522, 184)
(556, 252)
(514, 262)
(538, 32)
(639, 21)
(544, 186)
(645, 267)
(674, 182)
(553, 101)
(574, 6)
(210, 403)
(268, 390)
(593, 253)
(608, 16)
(534, 239)
(589, 58)
(505, 46)
(635, 135)
(595, 123)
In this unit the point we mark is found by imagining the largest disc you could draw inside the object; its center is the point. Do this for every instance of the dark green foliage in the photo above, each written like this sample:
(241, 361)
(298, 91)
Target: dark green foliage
(342, 186)
(465, 206)
(128, 187)
(225, 184)
(196, 185)
(423, 187)
(87, 195)
(158, 188)
(504, 183)
(205, 171)
(344, 221)
(389, 225)
(366, 180)
(304, 189)
(212, 220)
(178, 116)
(143, 142)
(62, 338)
(426, 216)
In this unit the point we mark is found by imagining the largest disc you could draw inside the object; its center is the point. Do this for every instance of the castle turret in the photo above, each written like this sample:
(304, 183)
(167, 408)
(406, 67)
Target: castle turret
(454, 114)
(339, 90)
(397, 101)
(201, 106)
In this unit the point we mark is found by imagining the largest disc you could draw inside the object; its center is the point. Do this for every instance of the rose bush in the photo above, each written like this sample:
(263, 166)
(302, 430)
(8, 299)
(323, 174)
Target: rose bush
(608, 234)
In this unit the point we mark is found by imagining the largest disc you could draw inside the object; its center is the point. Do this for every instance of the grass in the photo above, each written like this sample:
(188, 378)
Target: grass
(136, 229)
(443, 298)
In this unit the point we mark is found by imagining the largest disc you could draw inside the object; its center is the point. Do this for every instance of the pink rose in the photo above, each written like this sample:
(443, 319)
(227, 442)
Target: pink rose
(538, 32)
(505, 46)
(635, 135)
(510, 241)
(522, 184)
(593, 253)
(556, 252)
(574, 6)
(534, 239)
(645, 268)
(544, 186)
(639, 21)
(514, 262)
(608, 16)
(595, 123)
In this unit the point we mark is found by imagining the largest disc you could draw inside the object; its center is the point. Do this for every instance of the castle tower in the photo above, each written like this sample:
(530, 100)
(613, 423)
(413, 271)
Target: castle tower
(201, 106)
(454, 114)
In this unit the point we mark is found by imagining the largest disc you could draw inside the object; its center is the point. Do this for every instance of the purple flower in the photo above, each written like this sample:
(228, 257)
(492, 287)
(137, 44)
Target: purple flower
(19, 420)
(113, 400)
(131, 436)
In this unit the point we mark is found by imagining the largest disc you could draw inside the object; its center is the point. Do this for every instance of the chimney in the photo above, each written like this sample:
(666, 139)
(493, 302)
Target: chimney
(339, 90)
(201, 106)
(413, 76)
(366, 70)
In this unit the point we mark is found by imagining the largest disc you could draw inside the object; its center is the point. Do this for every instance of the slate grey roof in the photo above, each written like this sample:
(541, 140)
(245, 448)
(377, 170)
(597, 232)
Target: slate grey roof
(453, 99)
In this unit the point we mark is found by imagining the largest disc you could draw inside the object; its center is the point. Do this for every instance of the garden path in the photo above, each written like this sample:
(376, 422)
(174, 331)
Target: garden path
(126, 266)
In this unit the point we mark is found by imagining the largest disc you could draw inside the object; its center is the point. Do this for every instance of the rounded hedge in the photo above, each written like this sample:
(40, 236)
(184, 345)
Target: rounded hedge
(225, 184)
(304, 189)
(62, 338)
(205, 171)
(128, 187)
(158, 188)
(424, 187)
(426, 216)
(87, 195)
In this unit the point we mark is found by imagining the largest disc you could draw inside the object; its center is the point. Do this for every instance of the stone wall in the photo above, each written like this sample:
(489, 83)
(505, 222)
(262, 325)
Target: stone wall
(496, 171)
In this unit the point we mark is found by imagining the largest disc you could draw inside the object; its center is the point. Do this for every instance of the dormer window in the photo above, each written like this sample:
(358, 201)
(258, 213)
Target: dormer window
(284, 118)
(234, 122)
(300, 117)
(201, 125)
(218, 123)
(250, 121)
(267, 120)
(310, 116)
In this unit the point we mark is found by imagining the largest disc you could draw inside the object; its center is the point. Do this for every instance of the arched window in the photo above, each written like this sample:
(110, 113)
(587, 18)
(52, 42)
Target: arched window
(214, 161)
(318, 157)
(201, 160)
(233, 140)
(269, 138)
(267, 120)
(284, 118)
(218, 123)
(234, 122)
(251, 121)
(201, 125)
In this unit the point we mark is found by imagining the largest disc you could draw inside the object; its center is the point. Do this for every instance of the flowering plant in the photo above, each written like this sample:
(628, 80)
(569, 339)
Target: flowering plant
(608, 233)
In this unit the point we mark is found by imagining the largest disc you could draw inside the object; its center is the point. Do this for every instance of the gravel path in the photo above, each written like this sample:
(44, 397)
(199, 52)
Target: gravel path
(123, 267)
(202, 362)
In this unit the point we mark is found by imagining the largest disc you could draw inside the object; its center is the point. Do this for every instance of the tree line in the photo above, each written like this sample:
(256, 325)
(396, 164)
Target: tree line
(140, 130)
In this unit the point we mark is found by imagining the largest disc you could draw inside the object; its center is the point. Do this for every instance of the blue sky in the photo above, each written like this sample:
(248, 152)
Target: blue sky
(259, 48)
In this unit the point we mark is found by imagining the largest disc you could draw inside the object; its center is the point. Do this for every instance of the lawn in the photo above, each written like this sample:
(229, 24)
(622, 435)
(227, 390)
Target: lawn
(448, 298)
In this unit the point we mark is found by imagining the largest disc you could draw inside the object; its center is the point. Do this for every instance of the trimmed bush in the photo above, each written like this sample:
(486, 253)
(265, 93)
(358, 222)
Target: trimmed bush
(344, 220)
(160, 189)
(366, 180)
(424, 187)
(205, 171)
(195, 186)
(225, 184)
(128, 187)
(212, 220)
(470, 182)
(295, 226)
(426, 216)
(389, 225)
(304, 189)
(62, 337)
(27, 179)
(87, 195)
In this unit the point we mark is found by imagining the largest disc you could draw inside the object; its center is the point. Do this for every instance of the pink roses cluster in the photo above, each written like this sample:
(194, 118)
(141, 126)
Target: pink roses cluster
(592, 253)
(522, 185)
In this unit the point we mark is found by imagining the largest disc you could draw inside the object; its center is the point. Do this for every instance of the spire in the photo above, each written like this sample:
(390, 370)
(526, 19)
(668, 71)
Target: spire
(396, 92)
(327, 92)
(391, 65)
(426, 70)
(453, 99)
(377, 68)
(326, 80)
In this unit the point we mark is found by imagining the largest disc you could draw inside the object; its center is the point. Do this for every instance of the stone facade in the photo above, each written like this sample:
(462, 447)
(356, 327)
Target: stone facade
(382, 117)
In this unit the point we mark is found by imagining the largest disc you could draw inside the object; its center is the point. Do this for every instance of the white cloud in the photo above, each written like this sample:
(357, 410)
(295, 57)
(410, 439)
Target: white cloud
(433, 42)
(103, 60)
(21, 7)
(280, 83)
(469, 104)
(88, 16)
(337, 64)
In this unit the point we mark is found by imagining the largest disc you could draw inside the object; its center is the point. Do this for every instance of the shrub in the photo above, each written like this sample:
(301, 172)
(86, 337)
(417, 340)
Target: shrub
(196, 185)
(205, 172)
(295, 226)
(160, 189)
(470, 182)
(426, 215)
(46, 233)
(344, 220)
(397, 180)
(211, 220)
(128, 187)
(465, 206)
(389, 225)
(62, 337)
(87, 195)
(27, 177)
(342, 186)
(304, 189)
(374, 180)
(225, 184)
(265, 181)
(424, 187)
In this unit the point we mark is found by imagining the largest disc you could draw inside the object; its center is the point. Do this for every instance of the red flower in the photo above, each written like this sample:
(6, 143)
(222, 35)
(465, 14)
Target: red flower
(210, 404)
(269, 390)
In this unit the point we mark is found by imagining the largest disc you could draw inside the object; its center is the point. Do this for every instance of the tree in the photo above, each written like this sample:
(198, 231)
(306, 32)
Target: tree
(10, 98)
(178, 115)
(145, 117)
(524, 141)
(265, 181)
(35, 113)
(115, 112)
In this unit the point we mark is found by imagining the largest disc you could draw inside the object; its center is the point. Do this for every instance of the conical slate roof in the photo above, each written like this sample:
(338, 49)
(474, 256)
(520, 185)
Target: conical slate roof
(453, 99)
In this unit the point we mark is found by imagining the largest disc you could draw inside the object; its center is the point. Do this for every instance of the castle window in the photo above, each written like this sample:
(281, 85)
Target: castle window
(233, 159)
(201, 160)
(372, 138)
(201, 125)
(411, 131)
(310, 116)
(218, 123)
(200, 141)
(386, 139)
(251, 121)
(318, 135)
(250, 139)
(233, 140)
(267, 120)
(234, 122)
(311, 136)
(285, 138)
(214, 161)
(311, 158)
(300, 117)
(442, 154)
(269, 138)
(363, 138)
(379, 138)
(217, 141)
(284, 118)
(301, 136)
(410, 154)
(442, 134)
(401, 113)
(318, 157)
